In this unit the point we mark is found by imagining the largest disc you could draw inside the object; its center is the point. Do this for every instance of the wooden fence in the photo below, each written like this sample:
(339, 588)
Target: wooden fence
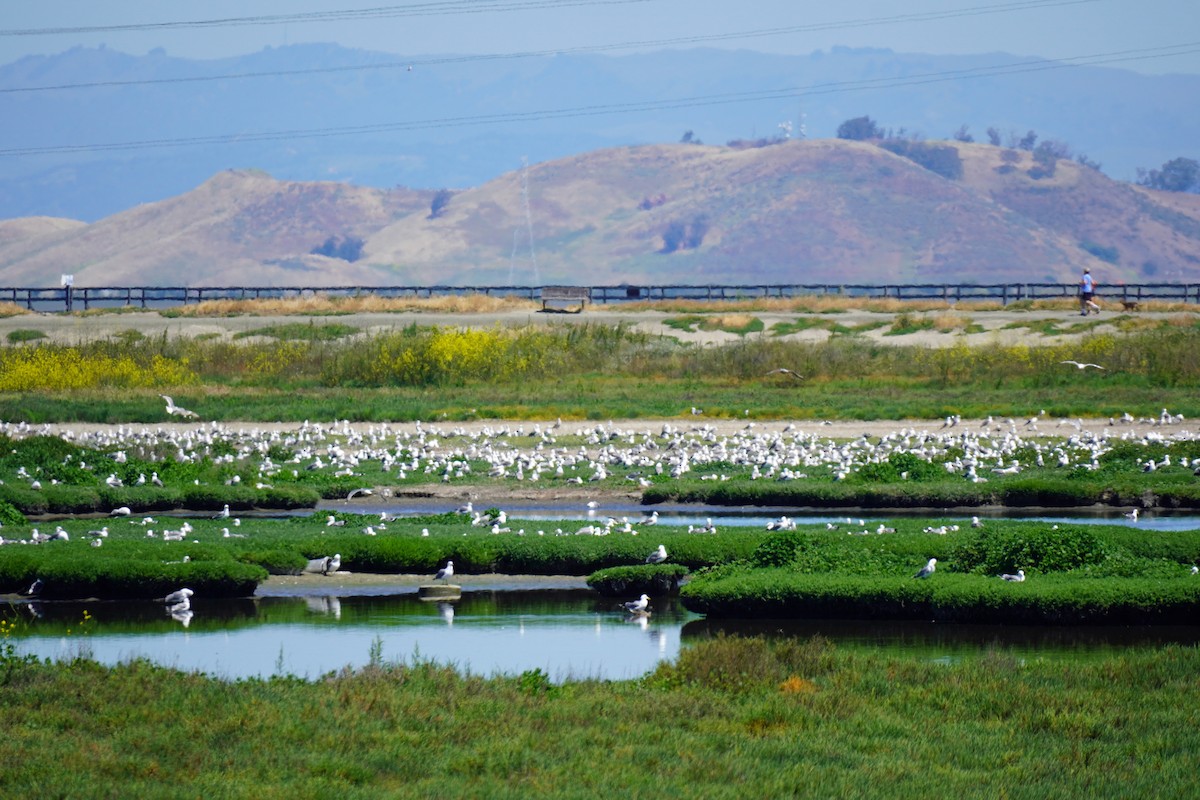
(157, 297)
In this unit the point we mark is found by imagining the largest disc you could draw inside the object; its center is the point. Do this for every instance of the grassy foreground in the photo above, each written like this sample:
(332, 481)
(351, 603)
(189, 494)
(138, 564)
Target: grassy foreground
(792, 720)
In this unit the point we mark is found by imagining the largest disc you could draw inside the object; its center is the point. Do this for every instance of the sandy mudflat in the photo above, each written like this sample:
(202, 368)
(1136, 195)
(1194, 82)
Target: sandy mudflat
(371, 583)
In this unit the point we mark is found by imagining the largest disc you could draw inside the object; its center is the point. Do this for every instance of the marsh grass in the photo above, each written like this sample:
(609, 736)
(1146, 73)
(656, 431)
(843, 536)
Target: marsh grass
(13, 310)
(731, 713)
(834, 327)
(809, 304)
(296, 331)
(594, 371)
(323, 304)
(25, 335)
(730, 322)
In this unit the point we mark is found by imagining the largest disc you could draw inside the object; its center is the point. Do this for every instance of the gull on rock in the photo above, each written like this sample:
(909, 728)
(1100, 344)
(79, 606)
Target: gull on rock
(445, 573)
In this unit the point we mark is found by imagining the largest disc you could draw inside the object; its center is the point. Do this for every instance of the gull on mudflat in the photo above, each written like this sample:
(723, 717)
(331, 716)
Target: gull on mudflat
(1132, 516)
(445, 573)
(365, 492)
(1018, 578)
(928, 569)
(638, 606)
(1081, 364)
(332, 564)
(123, 511)
(177, 411)
(223, 513)
(658, 556)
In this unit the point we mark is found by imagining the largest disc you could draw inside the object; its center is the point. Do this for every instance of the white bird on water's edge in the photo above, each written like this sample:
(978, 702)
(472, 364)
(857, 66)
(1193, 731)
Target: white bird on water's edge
(658, 556)
(445, 573)
(928, 569)
(638, 606)
(178, 596)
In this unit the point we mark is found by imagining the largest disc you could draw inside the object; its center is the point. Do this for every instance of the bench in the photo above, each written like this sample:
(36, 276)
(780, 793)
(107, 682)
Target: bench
(565, 294)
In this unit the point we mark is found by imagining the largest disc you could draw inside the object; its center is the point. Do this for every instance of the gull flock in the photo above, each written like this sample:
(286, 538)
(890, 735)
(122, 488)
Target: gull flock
(635, 454)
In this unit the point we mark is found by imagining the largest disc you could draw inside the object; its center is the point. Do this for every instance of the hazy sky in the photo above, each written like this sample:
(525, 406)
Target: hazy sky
(1047, 28)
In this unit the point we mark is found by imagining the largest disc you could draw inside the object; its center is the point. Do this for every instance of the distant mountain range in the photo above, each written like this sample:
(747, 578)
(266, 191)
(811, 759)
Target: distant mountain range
(458, 122)
(772, 211)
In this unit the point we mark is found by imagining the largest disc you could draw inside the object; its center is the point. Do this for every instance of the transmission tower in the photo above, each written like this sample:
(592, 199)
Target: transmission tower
(537, 278)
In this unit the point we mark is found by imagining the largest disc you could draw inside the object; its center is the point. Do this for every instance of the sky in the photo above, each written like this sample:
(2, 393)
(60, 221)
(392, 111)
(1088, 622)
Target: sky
(1151, 36)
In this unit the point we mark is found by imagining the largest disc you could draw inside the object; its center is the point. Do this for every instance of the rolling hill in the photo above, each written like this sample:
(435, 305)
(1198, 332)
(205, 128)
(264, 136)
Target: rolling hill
(818, 211)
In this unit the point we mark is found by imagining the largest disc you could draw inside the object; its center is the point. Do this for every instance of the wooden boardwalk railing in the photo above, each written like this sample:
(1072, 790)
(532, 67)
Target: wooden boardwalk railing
(72, 298)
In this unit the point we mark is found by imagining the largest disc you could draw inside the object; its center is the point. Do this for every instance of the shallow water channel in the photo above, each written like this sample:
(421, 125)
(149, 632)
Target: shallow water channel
(511, 626)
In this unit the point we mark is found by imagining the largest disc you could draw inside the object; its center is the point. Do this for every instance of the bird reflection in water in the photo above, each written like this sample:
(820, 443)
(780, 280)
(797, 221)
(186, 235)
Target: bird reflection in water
(324, 604)
(447, 612)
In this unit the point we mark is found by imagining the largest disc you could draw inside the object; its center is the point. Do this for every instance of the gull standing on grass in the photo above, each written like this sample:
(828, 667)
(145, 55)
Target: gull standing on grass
(1018, 578)
(928, 569)
(658, 556)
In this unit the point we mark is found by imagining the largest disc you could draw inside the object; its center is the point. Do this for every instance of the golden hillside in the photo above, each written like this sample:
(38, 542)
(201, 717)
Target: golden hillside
(823, 211)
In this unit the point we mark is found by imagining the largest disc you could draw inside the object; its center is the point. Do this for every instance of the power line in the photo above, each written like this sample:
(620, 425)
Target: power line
(446, 7)
(931, 16)
(1035, 65)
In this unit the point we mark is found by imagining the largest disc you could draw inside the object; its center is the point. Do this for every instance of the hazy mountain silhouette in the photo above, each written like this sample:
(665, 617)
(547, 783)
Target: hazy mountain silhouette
(1121, 119)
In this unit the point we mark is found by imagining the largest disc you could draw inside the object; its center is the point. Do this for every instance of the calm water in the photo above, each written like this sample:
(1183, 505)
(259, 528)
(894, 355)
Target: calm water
(556, 515)
(565, 633)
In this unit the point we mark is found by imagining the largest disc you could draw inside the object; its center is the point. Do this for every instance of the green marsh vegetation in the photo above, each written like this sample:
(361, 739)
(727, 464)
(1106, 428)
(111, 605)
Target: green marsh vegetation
(794, 718)
(1072, 575)
(591, 371)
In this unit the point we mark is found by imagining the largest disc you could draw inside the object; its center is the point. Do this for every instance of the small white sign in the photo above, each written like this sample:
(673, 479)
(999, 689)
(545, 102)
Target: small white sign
(68, 280)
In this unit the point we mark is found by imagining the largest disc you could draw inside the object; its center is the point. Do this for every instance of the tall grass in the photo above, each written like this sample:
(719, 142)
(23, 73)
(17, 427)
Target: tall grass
(796, 719)
(597, 370)
(319, 304)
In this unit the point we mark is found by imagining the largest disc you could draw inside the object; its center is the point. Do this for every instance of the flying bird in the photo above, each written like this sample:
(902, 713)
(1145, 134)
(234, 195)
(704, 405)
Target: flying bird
(928, 569)
(658, 556)
(177, 411)
(786, 371)
(638, 606)
(1081, 364)
(445, 573)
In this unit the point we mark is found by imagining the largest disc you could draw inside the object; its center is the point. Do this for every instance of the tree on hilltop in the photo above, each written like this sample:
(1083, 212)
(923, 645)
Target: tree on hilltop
(1177, 175)
(859, 129)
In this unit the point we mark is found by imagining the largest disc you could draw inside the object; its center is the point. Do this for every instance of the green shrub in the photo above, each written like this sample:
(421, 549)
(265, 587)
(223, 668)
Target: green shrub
(651, 579)
(1031, 548)
(10, 514)
(737, 664)
(275, 562)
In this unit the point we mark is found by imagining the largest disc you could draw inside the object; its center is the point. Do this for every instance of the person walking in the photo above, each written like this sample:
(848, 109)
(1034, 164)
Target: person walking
(1087, 291)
